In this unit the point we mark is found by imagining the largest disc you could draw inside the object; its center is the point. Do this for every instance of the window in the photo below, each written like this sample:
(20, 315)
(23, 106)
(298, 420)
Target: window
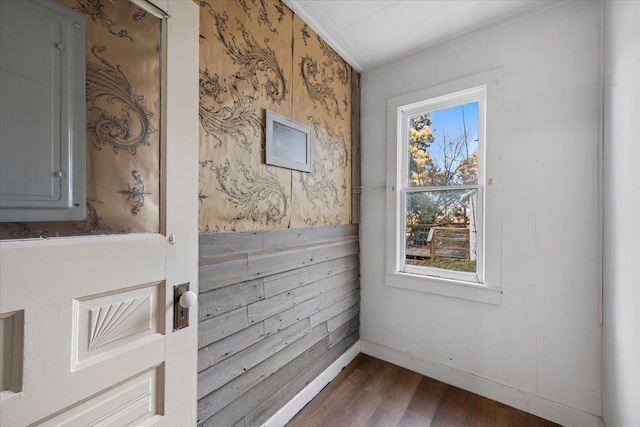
(441, 186)
(444, 155)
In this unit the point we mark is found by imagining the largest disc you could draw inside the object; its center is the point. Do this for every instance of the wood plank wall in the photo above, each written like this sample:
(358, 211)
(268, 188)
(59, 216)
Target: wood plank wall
(276, 308)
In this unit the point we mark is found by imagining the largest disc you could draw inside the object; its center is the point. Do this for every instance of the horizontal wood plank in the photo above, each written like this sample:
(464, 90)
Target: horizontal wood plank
(218, 402)
(268, 307)
(284, 393)
(291, 279)
(272, 262)
(302, 236)
(219, 244)
(216, 328)
(276, 308)
(336, 308)
(221, 300)
(218, 375)
(344, 330)
(239, 397)
(227, 347)
(343, 318)
(332, 296)
(288, 317)
(223, 273)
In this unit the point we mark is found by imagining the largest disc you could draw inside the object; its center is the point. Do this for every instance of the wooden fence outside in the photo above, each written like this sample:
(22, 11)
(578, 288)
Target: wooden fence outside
(432, 241)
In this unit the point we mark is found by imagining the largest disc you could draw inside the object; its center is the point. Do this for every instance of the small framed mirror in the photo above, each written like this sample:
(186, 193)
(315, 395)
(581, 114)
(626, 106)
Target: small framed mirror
(288, 143)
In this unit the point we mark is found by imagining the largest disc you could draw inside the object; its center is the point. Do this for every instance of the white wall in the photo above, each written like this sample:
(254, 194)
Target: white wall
(621, 352)
(545, 338)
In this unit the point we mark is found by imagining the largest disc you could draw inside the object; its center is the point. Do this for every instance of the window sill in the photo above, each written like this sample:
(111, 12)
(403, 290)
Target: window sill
(445, 287)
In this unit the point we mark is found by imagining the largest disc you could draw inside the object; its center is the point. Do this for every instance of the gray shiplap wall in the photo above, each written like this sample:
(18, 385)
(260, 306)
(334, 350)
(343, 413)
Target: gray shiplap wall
(276, 308)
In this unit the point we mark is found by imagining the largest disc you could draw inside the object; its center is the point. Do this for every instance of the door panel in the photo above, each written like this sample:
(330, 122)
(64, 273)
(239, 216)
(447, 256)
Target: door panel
(112, 323)
(78, 297)
(136, 401)
(98, 345)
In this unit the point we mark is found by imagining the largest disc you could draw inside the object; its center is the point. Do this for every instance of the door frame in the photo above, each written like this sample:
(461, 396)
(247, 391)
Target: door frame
(180, 145)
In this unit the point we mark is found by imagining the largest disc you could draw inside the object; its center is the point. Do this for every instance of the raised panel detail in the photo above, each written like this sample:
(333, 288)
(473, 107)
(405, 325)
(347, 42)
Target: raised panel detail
(108, 324)
(132, 402)
(11, 345)
(119, 320)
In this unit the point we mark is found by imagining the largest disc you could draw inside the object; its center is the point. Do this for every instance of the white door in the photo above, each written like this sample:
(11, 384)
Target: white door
(94, 344)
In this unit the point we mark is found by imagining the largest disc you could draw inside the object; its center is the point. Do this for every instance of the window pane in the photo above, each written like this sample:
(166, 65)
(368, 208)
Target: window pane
(441, 229)
(443, 147)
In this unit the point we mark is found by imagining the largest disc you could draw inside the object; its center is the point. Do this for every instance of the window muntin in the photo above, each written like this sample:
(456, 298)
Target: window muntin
(441, 186)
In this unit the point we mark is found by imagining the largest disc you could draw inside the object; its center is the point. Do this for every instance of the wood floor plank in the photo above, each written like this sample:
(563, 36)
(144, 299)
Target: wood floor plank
(317, 401)
(508, 416)
(358, 412)
(373, 393)
(427, 397)
(414, 419)
(337, 401)
(396, 398)
(481, 412)
(383, 376)
(533, 421)
(452, 410)
(371, 364)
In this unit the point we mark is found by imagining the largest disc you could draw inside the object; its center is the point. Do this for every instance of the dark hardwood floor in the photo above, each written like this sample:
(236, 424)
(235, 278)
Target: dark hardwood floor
(370, 392)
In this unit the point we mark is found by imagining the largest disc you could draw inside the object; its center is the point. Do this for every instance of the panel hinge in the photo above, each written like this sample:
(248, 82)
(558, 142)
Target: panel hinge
(58, 174)
(59, 46)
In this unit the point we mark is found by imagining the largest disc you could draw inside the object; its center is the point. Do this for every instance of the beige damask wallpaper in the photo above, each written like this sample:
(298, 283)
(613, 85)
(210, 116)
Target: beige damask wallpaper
(123, 121)
(256, 55)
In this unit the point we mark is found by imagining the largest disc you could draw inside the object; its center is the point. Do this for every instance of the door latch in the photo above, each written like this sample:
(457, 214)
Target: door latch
(183, 299)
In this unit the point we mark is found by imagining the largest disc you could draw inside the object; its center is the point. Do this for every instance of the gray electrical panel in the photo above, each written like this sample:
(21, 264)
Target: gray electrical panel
(42, 112)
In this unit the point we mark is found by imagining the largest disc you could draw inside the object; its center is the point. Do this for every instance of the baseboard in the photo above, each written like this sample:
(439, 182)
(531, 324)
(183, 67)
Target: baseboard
(540, 406)
(291, 408)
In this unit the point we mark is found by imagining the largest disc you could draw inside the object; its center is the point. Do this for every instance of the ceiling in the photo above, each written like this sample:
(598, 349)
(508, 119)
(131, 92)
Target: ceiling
(369, 33)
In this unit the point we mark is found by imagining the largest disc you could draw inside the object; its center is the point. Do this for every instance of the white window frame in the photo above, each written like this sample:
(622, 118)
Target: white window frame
(485, 284)
(476, 94)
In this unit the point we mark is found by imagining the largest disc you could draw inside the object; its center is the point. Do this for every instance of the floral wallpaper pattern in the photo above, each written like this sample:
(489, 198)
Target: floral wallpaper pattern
(109, 127)
(123, 118)
(256, 55)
